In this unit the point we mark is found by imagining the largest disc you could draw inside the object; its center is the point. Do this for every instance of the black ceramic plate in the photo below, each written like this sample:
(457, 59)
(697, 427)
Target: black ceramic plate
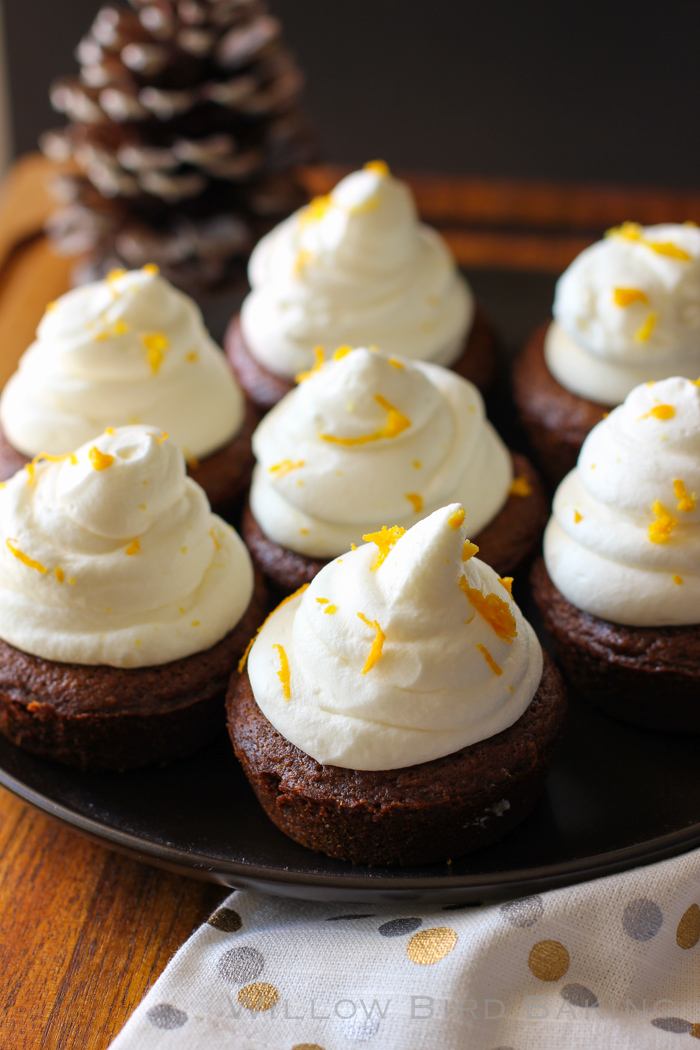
(616, 797)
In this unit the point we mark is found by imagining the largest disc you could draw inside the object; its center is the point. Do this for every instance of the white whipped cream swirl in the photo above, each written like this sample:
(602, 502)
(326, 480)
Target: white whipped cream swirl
(112, 556)
(624, 539)
(367, 439)
(125, 350)
(390, 666)
(354, 268)
(627, 310)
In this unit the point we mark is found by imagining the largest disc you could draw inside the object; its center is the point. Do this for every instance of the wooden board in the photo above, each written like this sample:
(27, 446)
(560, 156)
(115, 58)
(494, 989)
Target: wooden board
(85, 932)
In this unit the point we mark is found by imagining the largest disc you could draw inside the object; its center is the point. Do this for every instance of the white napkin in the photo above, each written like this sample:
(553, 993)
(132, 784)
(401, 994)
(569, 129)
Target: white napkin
(613, 963)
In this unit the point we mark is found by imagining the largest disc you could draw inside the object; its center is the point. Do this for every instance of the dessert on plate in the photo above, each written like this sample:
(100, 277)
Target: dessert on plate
(626, 311)
(368, 438)
(355, 268)
(125, 605)
(398, 710)
(619, 586)
(129, 349)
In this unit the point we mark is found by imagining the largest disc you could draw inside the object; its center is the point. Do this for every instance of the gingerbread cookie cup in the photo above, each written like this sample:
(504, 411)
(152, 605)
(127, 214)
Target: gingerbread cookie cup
(645, 676)
(398, 710)
(104, 717)
(555, 420)
(507, 544)
(478, 363)
(420, 814)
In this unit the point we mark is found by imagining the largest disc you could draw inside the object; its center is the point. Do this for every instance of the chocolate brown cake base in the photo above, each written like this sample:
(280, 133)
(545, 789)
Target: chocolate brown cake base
(99, 717)
(421, 814)
(477, 363)
(646, 676)
(556, 421)
(508, 543)
(224, 475)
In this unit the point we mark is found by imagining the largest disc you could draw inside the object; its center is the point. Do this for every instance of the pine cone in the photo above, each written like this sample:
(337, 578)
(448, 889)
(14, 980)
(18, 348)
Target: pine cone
(186, 127)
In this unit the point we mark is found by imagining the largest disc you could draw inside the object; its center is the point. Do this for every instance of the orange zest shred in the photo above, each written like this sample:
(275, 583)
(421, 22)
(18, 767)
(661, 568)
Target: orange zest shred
(134, 547)
(686, 503)
(644, 332)
(520, 487)
(283, 673)
(25, 559)
(489, 659)
(322, 601)
(456, 519)
(302, 257)
(677, 579)
(156, 343)
(330, 609)
(661, 529)
(416, 500)
(659, 412)
(160, 439)
(215, 538)
(151, 268)
(627, 296)
(60, 575)
(249, 646)
(375, 652)
(193, 356)
(319, 357)
(341, 352)
(507, 582)
(315, 210)
(632, 231)
(285, 466)
(379, 166)
(494, 610)
(577, 517)
(396, 423)
(100, 460)
(396, 363)
(42, 456)
(469, 550)
(386, 540)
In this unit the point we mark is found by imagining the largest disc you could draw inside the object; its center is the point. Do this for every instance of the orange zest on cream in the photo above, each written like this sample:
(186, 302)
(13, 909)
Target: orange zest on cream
(489, 659)
(330, 609)
(677, 579)
(577, 517)
(320, 358)
(644, 332)
(215, 538)
(283, 673)
(45, 456)
(415, 500)
(456, 519)
(493, 609)
(25, 559)
(632, 231)
(507, 582)
(469, 550)
(156, 343)
(375, 652)
(661, 412)
(686, 503)
(341, 352)
(285, 466)
(396, 423)
(100, 460)
(60, 575)
(627, 296)
(386, 540)
(380, 167)
(133, 548)
(315, 210)
(661, 529)
(249, 646)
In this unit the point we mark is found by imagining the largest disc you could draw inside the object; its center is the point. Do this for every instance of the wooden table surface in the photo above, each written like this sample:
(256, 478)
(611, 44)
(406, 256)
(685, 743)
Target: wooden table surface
(84, 932)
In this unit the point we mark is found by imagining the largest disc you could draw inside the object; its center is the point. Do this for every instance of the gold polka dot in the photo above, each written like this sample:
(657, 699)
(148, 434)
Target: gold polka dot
(688, 932)
(695, 1031)
(258, 996)
(430, 946)
(549, 960)
(307, 1046)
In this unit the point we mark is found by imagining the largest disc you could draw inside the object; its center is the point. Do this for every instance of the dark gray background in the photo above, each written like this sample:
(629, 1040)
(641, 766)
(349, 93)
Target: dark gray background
(556, 89)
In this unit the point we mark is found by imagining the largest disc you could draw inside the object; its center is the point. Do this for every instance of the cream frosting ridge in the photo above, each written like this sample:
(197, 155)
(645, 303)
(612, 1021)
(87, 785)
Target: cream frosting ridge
(111, 555)
(397, 653)
(624, 539)
(626, 311)
(369, 438)
(128, 349)
(355, 267)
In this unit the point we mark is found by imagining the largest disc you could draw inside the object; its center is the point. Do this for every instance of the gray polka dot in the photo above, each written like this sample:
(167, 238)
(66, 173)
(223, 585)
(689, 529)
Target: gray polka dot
(225, 919)
(342, 918)
(239, 965)
(523, 913)
(399, 927)
(672, 1024)
(642, 919)
(360, 1029)
(579, 995)
(460, 907)
(163, 1015)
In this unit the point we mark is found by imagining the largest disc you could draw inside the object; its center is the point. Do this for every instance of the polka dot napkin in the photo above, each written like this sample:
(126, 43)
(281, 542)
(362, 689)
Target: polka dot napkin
(613, 963)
